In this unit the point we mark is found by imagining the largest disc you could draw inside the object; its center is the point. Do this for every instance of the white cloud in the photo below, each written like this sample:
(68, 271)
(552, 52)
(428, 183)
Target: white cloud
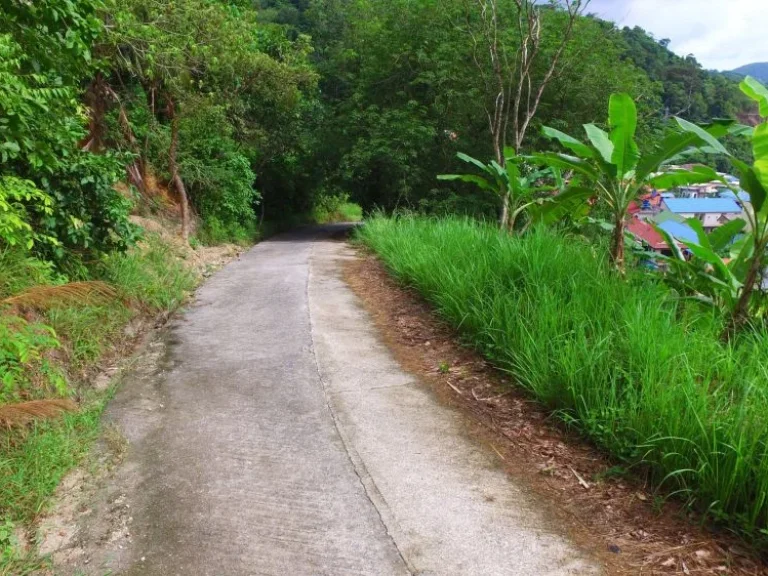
(722, 34)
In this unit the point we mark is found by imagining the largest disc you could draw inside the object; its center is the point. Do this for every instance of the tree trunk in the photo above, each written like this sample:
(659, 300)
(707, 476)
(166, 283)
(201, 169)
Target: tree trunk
(504, 219)
(96, 99)
(617, 244)
(173, 167)
(740, 314)
(145, 148)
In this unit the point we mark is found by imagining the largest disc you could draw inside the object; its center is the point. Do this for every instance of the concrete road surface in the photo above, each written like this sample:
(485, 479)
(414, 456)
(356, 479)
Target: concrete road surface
(272, 433)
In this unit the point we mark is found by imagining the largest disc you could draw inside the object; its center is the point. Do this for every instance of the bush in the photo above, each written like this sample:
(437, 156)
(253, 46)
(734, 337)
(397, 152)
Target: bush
(90, 216)
(26, 373)
(215, 170)
(645, 376)
(336, 208)
(214, 231)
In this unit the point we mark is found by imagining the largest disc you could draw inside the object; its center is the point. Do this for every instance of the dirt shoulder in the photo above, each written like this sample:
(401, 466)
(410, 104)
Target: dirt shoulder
(615, 516)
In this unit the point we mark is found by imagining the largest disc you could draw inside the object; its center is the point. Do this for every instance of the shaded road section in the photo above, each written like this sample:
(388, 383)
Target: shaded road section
(274, 434)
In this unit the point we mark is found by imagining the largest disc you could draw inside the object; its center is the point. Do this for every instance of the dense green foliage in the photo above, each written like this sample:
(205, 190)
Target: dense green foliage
(238, 113)
(263, 109)
(642, 374)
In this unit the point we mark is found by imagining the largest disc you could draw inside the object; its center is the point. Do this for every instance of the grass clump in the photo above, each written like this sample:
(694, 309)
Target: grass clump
(643, 375)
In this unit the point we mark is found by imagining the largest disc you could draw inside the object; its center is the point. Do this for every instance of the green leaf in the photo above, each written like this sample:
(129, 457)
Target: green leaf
(676, 178)
(709, 256)
(671, 243)
(741, 130)
(757, 92)
(749, 181)
(509, 152)
(760, 151)
(513, 174)
(562, 205)
(471, 178)
(674, 144)
(696, 225)
(708, 138)
(565, 162)
(469, 160)
(600, 140)
(721, 237)
(574, 145)
(622, 116)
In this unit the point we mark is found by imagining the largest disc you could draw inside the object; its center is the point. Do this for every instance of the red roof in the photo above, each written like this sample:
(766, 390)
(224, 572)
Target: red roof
(646, 233)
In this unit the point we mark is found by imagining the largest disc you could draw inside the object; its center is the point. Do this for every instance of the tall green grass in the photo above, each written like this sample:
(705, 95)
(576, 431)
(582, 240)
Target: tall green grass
(642, 375)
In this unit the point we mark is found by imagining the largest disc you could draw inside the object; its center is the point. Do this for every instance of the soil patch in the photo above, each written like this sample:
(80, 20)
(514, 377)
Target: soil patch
(628, 526)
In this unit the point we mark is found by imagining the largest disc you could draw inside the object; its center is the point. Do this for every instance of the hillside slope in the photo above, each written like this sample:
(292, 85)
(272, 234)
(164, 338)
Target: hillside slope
(757, 70)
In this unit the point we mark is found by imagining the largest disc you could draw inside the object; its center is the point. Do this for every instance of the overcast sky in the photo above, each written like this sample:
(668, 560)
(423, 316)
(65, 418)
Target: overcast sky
(722, 34)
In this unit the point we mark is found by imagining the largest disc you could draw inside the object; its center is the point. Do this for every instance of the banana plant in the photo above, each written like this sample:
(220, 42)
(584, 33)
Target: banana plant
(706, 276)
(754, 180)
(514, 182)
(732, 286)
(611, 168)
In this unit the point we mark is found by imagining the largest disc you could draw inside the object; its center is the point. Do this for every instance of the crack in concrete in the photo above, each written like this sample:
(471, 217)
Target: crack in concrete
(370, 489)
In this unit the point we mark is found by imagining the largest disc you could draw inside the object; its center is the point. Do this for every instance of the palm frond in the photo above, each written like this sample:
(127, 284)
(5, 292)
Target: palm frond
(45, 297)
(22, 413)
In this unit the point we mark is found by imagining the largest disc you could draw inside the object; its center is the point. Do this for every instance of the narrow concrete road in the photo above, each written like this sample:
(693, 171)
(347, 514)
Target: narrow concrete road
(279, 437)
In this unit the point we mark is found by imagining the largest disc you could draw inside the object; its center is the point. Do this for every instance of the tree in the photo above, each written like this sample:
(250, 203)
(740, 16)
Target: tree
(612, 168)
(191, 54)
(513, 89)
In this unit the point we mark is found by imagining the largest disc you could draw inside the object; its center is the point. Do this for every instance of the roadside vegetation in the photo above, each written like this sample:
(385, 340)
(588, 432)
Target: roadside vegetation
(665, 371)
(640, 372)
(135, 133)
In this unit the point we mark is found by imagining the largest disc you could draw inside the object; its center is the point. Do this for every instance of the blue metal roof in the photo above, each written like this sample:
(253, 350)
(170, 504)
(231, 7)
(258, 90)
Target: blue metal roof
(743, 196)
(679, 231)
(702, 205)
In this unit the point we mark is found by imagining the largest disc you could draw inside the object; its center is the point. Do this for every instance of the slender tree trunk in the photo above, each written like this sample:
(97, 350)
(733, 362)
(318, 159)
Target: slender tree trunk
(173, 167)
(96, 99)
(740, 314)
(145, 148)
(617, 244)
(504, 219)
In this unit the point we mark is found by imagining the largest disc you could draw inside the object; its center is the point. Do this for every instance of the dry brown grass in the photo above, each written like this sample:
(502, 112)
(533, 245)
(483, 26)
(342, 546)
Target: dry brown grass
(45, 297)
(23, 413)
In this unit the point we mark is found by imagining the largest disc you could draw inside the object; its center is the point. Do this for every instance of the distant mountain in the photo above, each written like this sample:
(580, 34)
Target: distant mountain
(757, 70)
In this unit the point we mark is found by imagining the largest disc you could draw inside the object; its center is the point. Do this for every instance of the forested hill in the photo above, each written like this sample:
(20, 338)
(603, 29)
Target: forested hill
(250, 111)
(685, 89)
(757, 70)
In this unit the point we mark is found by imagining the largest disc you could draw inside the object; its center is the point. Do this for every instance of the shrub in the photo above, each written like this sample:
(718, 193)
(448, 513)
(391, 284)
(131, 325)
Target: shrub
(25, 371)
(336, 208)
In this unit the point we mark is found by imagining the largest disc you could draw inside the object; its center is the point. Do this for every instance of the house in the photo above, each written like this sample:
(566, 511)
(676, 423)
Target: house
(710, 190)
(712, 212)
(743, 196)
(646, 205)
(647, 235)
(679, 231)
(652, 240)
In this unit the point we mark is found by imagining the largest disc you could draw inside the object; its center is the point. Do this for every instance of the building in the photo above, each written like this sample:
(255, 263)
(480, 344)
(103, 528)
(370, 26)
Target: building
(711, 212)
(743, 196)
(679, 231)
(710, 190)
